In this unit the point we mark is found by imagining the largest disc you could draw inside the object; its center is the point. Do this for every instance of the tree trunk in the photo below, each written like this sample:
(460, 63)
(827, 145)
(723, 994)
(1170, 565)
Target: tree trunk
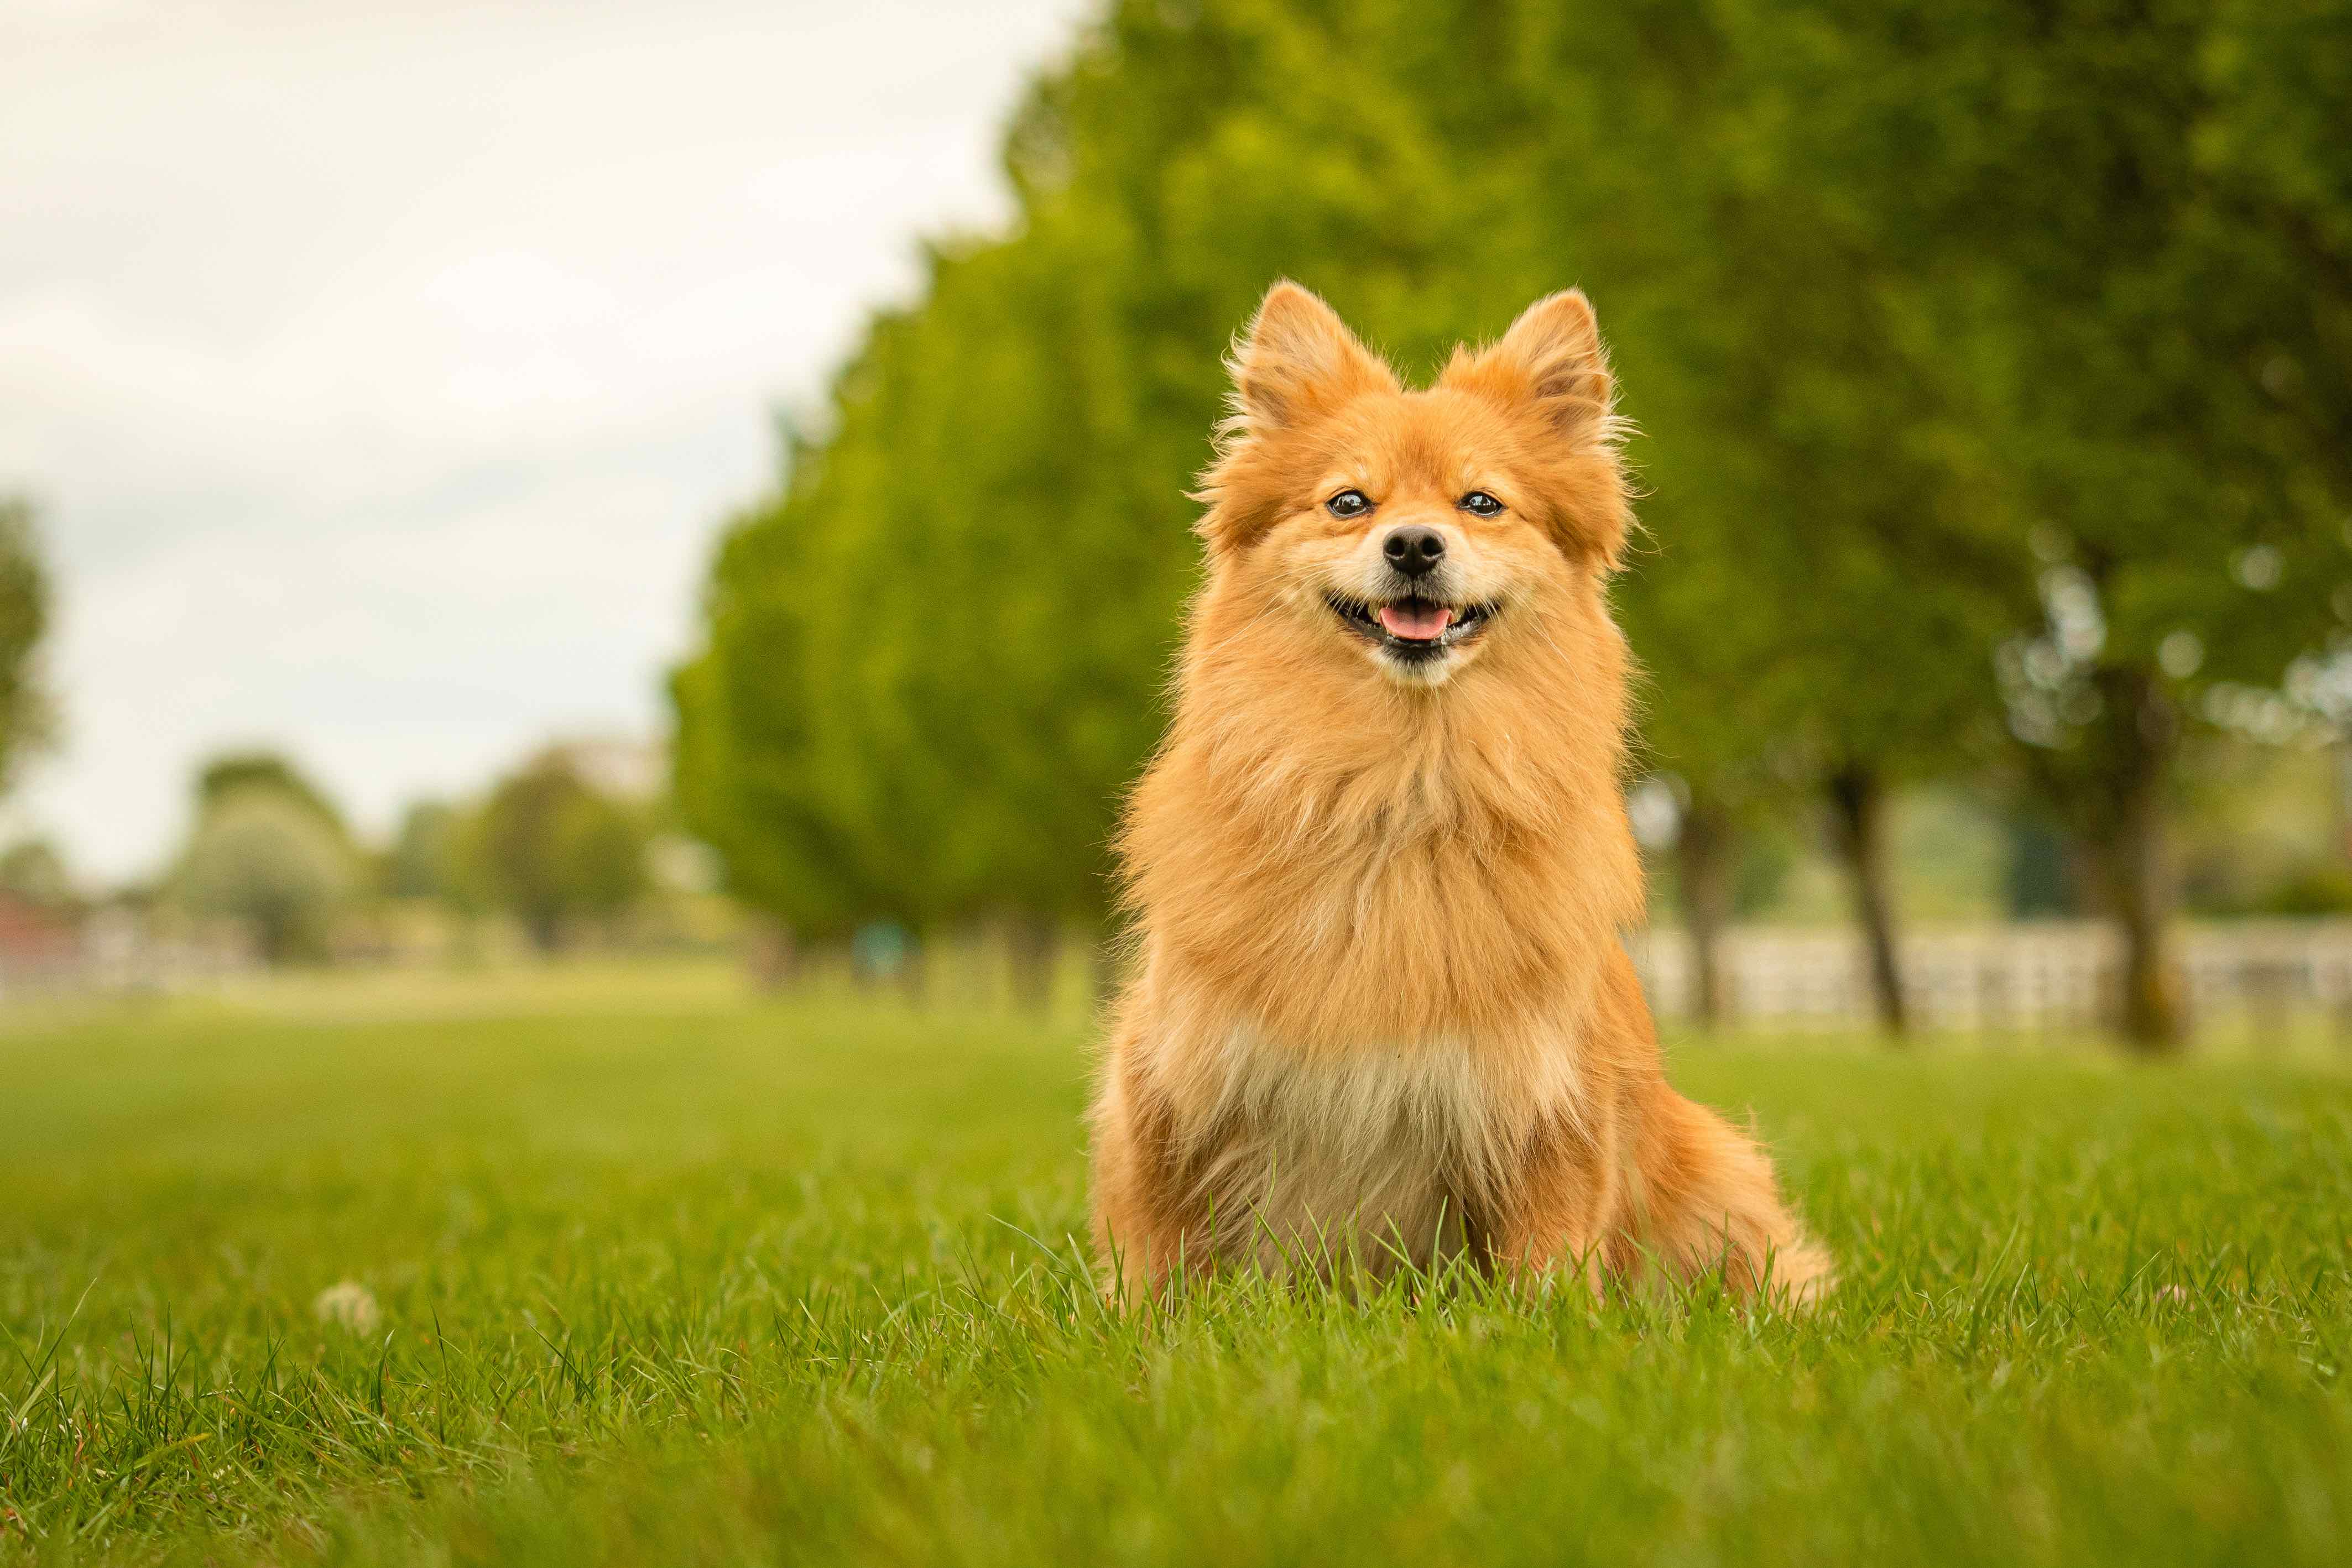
(1032, 946)
(1707, 857)
(1858, 812)
(273, 932)
(2136, 854)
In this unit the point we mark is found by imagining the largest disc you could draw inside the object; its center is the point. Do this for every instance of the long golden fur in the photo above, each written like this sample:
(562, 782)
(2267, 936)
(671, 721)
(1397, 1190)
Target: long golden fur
(1379, 865)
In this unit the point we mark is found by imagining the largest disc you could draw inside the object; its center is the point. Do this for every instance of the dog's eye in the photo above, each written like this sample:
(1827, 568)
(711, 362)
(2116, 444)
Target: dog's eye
(1479, 504)
(1348, 504)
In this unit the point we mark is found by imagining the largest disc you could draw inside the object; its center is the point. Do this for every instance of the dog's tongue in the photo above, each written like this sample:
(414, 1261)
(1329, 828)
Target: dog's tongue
(1420, 623)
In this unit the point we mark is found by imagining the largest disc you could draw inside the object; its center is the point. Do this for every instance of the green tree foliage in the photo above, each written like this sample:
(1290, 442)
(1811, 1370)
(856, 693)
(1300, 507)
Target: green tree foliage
(33, 871)
(422, 862)
(269, 849)
(2132, 234)
(27, 719)
(1808, 531)
(267, 771)
(261, 856)
(1960, 336)
(551, 850)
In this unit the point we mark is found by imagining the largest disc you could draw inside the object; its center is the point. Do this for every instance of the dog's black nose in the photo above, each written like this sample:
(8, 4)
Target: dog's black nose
(1413, 551)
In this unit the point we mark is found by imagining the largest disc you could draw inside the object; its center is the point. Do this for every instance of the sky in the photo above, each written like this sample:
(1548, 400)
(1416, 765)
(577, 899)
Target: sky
(383, 372)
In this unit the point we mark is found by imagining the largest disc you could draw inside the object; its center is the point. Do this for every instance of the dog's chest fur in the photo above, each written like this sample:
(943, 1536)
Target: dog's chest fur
(1380, 1153)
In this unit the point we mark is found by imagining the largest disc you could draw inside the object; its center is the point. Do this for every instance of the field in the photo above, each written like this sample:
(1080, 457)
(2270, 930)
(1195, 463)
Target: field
(651, 1273)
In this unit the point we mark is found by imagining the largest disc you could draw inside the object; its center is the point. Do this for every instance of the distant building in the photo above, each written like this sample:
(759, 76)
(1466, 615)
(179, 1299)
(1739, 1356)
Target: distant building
(40, 944)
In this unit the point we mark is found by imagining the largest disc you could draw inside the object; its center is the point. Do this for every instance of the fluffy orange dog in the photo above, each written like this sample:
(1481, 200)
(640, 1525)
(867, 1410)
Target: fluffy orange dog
(1380, 863)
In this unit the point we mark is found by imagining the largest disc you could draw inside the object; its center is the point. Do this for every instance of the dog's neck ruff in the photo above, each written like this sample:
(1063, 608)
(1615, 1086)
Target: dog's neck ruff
(1453, 865)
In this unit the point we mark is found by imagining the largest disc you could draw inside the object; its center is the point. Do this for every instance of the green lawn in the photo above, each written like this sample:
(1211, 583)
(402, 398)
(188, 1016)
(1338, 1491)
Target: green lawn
(667, 1277)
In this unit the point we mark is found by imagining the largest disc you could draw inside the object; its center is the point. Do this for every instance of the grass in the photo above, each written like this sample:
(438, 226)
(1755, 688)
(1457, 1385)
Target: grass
(668, 1276)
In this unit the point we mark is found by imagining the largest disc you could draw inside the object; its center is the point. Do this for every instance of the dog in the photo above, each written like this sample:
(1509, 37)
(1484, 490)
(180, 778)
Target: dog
(1379, 1013)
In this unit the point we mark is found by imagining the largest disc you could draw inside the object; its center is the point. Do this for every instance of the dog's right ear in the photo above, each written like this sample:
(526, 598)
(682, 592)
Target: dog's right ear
(1297, 358)
(1295, 361)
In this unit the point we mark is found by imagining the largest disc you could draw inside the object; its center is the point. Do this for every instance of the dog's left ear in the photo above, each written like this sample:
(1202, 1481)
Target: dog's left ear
(1553, 360)
(1552, 357)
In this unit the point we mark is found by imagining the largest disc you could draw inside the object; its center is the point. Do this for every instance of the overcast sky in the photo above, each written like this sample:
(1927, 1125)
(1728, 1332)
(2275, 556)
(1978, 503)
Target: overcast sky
(382, 369)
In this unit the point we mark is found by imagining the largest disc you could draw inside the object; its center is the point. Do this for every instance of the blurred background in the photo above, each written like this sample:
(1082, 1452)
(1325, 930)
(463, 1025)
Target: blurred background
(499, 484)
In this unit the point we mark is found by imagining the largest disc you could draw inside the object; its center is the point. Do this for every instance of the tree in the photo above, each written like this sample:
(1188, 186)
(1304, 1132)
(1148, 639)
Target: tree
(32, 870)
(269, 849)
(234, 772)
(1828, 586)
(2130, 225)
(262, 856)
(552, 851)
(421, 862)
(28, 719)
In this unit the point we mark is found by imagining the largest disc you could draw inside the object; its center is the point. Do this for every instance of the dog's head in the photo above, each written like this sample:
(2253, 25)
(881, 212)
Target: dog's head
(1412, 533)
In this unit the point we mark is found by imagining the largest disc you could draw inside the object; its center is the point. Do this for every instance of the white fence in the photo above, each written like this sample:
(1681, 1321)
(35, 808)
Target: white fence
(115, 952)
(2035, 976)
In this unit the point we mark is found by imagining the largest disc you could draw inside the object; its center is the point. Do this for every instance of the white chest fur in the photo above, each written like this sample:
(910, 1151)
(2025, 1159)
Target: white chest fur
(1380, 1153)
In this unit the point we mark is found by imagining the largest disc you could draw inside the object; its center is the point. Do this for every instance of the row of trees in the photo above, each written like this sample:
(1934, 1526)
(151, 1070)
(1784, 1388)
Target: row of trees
(545, 846)
(1992, 358)
(271, 850)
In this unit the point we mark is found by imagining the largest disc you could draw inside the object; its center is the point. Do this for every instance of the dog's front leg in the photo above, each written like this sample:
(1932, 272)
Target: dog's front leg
(1145, 1231)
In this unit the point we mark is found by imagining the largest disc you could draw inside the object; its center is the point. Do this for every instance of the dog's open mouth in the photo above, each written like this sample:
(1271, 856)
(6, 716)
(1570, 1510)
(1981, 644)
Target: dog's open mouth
(1415, 628)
